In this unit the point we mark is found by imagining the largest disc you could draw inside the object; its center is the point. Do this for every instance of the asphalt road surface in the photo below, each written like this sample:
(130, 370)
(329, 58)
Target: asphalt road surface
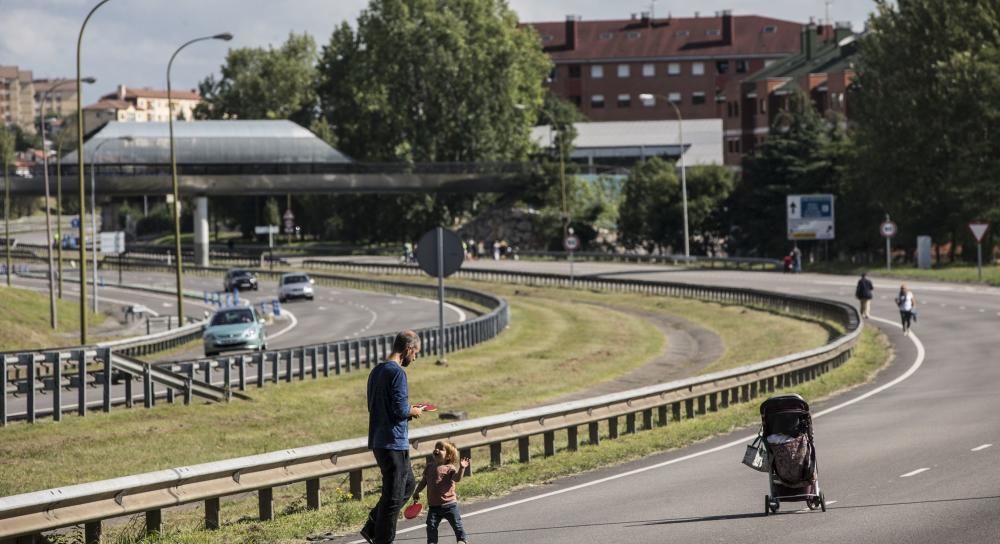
(913, 457)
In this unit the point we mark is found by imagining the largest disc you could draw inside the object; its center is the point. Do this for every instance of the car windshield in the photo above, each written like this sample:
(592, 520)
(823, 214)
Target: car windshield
(232, 317)
(239, 273)
(296, 279)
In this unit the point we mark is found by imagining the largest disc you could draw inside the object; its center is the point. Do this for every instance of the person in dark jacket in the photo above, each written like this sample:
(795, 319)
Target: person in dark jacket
(389, 412)
(864, 292)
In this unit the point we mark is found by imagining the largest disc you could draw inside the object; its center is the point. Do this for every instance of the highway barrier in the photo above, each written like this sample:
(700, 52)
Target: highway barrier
(148, 494)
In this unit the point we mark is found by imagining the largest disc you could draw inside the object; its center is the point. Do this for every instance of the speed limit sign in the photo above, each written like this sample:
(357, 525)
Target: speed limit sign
(571, 243)
(888, 229)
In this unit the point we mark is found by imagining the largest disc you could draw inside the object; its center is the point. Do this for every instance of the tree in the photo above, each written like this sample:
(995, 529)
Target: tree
(926, 110)
(708, 188)
(648, 215)
(260, 83)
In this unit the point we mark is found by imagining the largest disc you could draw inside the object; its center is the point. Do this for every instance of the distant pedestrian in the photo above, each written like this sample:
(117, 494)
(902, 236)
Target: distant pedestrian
(443, 471)
(864, 293)
(496, 250)
(907, 307)
(787, 261)
(797, 258)
(389, 412)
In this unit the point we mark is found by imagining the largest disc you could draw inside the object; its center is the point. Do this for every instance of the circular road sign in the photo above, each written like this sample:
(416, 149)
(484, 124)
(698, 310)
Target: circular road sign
(427, 254)
(571, 243)
(888, 229)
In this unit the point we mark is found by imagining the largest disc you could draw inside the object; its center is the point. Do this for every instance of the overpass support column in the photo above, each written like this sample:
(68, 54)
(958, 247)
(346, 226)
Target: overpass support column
(201, 231)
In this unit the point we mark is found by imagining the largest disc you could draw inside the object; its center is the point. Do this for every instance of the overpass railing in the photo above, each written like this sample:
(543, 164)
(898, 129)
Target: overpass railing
(659, 405)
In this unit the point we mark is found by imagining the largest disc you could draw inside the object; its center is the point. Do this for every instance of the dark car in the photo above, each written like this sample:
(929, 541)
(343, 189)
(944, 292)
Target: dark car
(238, 279)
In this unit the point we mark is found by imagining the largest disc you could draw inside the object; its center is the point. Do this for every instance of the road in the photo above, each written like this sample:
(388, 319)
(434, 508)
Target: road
(910, 458)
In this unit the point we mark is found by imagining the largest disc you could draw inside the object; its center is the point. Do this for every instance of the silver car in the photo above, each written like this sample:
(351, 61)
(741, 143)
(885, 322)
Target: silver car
(234, 328)
(295, 285)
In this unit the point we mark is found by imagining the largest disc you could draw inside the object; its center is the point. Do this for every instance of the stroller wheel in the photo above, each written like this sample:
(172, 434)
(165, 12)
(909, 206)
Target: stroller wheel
(767, 504)
(822, 501)
(813, 503)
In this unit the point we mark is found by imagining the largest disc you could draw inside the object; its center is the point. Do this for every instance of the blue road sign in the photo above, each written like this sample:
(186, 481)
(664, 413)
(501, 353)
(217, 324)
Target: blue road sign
(75, 222)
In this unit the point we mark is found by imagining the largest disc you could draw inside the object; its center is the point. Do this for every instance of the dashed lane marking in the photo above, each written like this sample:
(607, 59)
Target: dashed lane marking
(981, 448)
(914, 473)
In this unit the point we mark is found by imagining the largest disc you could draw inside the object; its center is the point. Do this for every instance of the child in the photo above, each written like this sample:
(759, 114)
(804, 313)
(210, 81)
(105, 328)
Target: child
(439, 478)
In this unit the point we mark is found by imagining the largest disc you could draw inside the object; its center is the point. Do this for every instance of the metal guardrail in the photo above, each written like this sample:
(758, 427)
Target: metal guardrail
(32, 513)
(748, 263)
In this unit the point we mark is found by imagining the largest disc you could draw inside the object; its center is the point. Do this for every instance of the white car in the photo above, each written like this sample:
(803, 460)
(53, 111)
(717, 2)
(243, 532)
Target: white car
(295, 285)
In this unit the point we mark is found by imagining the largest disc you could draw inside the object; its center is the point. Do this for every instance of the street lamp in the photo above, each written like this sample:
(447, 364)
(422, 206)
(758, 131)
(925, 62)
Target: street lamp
(48, 208)
(93, 206)
(173, 174)
(79, 158)
(648, 97)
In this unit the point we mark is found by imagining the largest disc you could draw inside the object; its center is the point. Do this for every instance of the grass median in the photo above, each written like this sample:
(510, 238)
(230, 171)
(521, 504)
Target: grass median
(24, 320)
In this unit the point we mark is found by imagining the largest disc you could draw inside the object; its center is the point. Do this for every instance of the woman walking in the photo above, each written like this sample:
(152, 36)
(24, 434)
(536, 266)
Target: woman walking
(907, 307)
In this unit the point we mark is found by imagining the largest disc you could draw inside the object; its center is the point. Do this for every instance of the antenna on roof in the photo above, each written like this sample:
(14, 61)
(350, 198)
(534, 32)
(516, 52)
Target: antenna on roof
(828, 2)
(652, 10)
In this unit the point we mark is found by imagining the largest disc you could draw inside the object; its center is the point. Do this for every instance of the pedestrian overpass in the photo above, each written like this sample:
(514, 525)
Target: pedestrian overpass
(237, 157)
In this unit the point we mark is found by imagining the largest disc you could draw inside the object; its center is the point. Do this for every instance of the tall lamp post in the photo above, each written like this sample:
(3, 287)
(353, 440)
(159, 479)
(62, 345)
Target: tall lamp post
(5, 151)
(80, 163)
(93, 206)
(48, 208)
(173, 173)
(649, 97)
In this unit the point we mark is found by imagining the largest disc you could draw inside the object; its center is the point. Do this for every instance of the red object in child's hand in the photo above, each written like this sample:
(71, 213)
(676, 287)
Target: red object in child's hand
(427, 407)
(412, 510)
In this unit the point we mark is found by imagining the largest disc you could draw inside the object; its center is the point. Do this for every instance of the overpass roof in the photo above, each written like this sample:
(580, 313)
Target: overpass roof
(208, 142)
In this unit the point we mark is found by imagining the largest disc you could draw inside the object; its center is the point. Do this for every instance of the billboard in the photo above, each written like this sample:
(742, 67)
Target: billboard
(810, 217)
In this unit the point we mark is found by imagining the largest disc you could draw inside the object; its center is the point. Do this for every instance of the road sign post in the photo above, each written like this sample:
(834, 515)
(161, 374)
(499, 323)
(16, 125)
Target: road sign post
(440, 254)
(979, 229)
(269, 230)
(571, 243)
(888, 230)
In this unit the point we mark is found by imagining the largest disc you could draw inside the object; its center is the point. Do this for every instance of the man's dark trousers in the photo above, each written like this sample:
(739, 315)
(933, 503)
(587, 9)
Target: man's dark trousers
(397, 486)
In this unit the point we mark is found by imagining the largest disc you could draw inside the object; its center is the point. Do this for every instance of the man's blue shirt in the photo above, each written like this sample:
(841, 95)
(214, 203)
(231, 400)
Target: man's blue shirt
(388, 408)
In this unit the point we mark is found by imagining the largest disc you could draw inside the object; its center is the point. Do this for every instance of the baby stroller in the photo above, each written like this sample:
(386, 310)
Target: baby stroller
(788, 438)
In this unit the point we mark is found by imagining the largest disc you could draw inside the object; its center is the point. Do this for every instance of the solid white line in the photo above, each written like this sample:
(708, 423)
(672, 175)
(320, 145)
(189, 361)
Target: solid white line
(914, 473)
(983, 447)
(739, 442)
(286, 329)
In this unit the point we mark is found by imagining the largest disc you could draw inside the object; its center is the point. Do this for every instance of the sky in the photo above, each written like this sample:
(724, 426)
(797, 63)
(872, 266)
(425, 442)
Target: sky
(130, 41)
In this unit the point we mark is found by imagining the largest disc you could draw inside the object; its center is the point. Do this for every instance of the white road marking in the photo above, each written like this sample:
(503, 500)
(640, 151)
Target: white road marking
(167, 304)
(736, 443)
(914, 473)
(981, 448)
(291, 326)
(321, 308)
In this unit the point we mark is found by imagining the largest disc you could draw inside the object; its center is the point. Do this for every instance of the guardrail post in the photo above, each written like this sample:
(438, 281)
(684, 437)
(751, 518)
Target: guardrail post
(523, 443)
(550, 443)
(647, 419)
(154, 520)
(302, 363)
(147, 387)
(662, 416)
(288, 365)
(368, 353)
(105, 355)
(312, 494)
(92, 532)
(274, 366)
(572, 438)
(688, 408)
(326, 360)
(357, 489)
(227, 374)
(265, 504)
(630, 423)
(336, 359)
(208, 371)
(357, 355)
(242, 369)
(753, 390)
(312, 362)
(675, 409)
(496, 454)
(594, 433)
(701, 405)
(56, 362)
(28, 361)
(3, 394)
(212, 513)
(187, 390)
(128, 390)
(613, 428)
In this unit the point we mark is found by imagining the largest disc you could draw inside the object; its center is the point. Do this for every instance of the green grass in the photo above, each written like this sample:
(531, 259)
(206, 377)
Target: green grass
(24, 321)
(960, 273)
(343, 515)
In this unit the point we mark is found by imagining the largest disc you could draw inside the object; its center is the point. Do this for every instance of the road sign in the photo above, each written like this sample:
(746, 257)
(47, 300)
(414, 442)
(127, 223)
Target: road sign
(810, 217)
(888, 229)
(113, 243)
(289, 218)
(427, 254)
(74, 223)
(979, 230)
(266, 229)
(288, 215)
(571, 243)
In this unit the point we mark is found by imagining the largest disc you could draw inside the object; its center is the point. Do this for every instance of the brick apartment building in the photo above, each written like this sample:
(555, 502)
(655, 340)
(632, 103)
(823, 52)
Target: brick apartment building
(61, 99)
(698, 63)
(17, 102)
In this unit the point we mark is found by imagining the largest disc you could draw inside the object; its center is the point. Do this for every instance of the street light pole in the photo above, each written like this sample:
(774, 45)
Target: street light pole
(173, 173)
(53, 321)
(684, 191)
(82, 180)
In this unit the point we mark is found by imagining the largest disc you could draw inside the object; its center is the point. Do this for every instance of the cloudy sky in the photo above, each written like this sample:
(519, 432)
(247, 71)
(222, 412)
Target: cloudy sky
(130, 41)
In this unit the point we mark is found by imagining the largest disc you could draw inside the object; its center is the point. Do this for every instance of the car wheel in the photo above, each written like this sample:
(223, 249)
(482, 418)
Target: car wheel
(310, 298)
(211, 353)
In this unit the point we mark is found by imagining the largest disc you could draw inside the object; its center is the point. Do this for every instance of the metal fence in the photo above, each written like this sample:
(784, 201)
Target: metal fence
(644, 408)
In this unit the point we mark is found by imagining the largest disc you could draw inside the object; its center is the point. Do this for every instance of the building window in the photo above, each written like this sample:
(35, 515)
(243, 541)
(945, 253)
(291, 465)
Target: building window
(742, 66)
(624, 101)
(733, 145)
(722, 66)
(548, 37)
(597, 101)
(770, 29)
(697, 68)
(574, 71)
(633, 35)
(648, 70)
(675, 98)
(713, 32)
(605, 35)
(763, 106)
(650, 102)
(674, 69)
(698, 98)
(575, 99)
(682, 33)
(596, 71)
(624, 70)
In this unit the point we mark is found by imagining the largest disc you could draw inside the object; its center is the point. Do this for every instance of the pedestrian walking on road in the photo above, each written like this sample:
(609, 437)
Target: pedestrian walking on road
(443, 471)
(864, 293)
(389, 412)
(907, 307)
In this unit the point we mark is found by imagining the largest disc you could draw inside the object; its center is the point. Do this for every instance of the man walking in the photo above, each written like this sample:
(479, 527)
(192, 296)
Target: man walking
(864, 293)
(389, 411)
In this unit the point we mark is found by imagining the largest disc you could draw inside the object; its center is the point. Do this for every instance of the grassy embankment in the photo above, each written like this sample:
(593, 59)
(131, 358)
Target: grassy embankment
(511, 372)
(24, 320)
(959, 273)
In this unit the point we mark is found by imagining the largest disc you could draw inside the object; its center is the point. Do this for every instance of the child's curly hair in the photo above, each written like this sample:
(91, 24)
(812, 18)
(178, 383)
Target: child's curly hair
(450, 452)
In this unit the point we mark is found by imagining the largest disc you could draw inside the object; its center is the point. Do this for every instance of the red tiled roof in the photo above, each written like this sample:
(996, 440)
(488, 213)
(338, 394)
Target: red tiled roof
(106, 104)
(622, 39)
(131, 93)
